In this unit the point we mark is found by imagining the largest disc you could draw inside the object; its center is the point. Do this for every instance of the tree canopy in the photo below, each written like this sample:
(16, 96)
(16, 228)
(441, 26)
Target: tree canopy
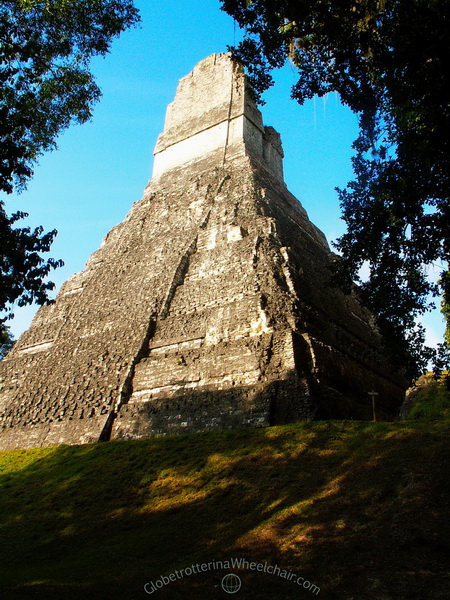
(6, 341)
(45, 86)
(390, 62)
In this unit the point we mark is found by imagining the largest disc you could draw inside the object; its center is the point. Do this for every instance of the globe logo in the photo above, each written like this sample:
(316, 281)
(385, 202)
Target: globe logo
(231, 583)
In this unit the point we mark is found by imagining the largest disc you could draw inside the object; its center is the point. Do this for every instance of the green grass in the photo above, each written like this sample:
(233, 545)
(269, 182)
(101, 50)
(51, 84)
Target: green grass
(432, 400)
(359, 509)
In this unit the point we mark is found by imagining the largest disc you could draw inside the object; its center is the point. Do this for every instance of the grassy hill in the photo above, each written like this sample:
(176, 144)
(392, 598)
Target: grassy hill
(359, 510)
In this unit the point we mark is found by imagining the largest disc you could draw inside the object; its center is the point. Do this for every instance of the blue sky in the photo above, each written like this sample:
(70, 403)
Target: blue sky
(100, 168)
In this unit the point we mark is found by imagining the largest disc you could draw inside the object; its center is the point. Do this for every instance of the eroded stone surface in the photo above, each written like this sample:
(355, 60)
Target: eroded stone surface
(213, 115)
(209, 307)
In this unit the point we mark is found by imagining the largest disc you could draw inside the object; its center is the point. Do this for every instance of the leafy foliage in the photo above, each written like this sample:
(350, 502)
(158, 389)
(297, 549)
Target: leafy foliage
(6, 341)
(45, 86)
(389, 61)
(445, 305)
(22, 269)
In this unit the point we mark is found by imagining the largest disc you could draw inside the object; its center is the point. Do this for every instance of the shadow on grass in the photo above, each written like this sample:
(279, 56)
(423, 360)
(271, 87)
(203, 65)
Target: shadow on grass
(359, 510)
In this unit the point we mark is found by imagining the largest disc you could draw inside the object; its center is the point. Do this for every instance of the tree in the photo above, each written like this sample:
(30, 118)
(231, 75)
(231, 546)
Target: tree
(45, 86)
(6, 341)
(390, 63)
(22, 269)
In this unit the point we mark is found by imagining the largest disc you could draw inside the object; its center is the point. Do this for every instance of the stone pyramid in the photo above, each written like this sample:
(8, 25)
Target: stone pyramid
(209, 307)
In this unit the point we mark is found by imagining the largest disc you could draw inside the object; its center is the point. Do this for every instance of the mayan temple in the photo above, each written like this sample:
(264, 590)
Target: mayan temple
(209, 307)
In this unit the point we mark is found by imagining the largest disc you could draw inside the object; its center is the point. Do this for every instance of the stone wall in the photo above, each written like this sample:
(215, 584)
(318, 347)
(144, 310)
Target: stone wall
(213, 114)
